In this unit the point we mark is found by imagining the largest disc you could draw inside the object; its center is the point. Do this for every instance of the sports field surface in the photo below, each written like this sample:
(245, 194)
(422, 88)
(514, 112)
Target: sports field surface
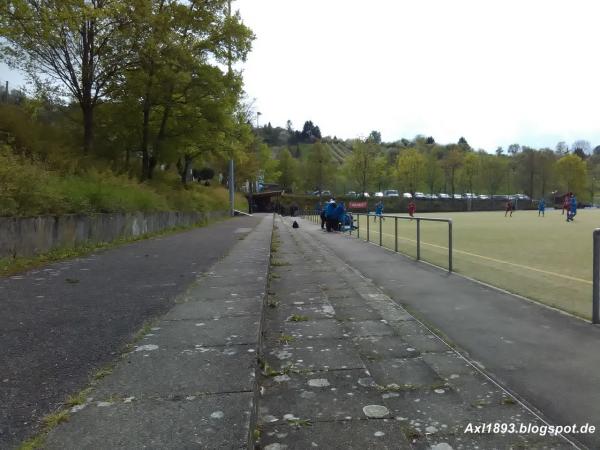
(542, 258)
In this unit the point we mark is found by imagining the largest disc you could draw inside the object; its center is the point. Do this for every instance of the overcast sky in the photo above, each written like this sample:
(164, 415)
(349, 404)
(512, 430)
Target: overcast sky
(495, 72)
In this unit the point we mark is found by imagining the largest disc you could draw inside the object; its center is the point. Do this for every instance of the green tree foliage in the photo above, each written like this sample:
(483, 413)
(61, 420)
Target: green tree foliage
(288, 170)
(572, 173)
(410, 168)
(451, 164)
(319, 168)
(470, 169)
(362, 167)
(492, 173)
(374, 137)
(79, 46)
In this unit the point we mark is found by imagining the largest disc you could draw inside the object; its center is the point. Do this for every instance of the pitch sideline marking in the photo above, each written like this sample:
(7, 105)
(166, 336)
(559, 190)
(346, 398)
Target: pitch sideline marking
(567, 277)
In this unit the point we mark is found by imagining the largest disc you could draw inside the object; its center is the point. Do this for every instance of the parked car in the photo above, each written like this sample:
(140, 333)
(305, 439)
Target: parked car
(500, 197)
(483, 197)
(420, 195)
(323, 193)
(391, 193)
(350, 194)
(457, 197)
(366, 195)
(469, 195)
(407, 195)
(378, 194)
(443, 196)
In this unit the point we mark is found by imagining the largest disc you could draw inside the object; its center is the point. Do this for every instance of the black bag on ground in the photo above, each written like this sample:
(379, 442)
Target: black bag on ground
(295, 225)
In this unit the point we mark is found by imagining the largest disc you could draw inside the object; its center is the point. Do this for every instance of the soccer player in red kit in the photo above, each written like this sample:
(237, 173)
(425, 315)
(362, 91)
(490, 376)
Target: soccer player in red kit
(412, 208)
(509, 208)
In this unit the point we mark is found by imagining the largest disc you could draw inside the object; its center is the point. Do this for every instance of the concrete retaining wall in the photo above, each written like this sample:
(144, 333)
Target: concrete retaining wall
(30, 236)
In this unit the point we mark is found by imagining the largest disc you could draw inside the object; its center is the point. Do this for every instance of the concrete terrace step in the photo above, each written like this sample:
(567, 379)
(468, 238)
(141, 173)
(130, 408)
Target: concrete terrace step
(191, 381)
(345, 367)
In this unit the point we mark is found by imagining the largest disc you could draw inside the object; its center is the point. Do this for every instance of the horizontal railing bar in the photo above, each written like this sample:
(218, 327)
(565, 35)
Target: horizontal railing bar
(429, 219)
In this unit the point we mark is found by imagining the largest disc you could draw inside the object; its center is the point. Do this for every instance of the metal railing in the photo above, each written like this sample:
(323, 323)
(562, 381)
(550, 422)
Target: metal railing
(314, 216)
(596, 279)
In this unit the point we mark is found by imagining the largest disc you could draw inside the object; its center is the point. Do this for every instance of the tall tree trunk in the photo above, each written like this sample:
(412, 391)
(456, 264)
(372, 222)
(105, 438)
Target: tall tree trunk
(185, 168)
(88, 127)
(145, 134)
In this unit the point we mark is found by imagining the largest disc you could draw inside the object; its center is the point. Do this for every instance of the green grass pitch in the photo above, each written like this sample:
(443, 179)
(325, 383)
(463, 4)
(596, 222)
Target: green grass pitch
(542, 258)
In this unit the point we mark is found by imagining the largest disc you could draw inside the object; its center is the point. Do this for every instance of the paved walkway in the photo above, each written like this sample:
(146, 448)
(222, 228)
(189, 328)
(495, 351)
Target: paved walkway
(190, 382)
(345, 367)
(548, 359)
(61, 323)
(308, 353)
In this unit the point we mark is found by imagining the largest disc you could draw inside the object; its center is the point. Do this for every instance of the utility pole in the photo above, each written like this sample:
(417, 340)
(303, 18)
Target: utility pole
(231, 163)
(6, 93)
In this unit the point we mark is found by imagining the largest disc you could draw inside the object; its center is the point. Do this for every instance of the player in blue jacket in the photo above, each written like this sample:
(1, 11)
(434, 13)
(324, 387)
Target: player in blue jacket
(378, 211)
(340, 212)
(330, 215)
(572, 212)
(542, 207)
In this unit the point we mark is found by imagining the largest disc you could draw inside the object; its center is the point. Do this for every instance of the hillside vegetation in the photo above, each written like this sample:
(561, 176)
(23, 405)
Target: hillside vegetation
(40, 174)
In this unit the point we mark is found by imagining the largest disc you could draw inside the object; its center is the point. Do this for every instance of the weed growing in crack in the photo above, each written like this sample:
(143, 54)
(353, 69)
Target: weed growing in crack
(298, 318)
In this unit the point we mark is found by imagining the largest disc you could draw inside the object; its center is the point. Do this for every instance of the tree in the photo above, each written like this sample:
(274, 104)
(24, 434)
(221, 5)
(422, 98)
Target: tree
(432, 171)
(288, 170)
(462, 142)
(546, 169)
(581, 147)
(409, 168)
(513, 149)
(526, 168)
(374, 137)
(593, 176)
(470, 167)
(451, 163)
(361, 165)
(572, 172)
(562, 148)
(319, 169)
(499, 151)
(81, 46)
(310, 132)
(492, 173)
(185, 101)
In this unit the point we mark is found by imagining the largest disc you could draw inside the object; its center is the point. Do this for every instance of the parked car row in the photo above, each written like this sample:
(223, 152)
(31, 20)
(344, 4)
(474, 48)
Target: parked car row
(422, 196)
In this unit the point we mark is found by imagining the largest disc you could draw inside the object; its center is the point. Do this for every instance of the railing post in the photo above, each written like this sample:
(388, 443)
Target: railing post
(357, 225)
(368, 228)
(450, 246)
(596, 277)
(380, 231)
(396, 234)
(418, 239)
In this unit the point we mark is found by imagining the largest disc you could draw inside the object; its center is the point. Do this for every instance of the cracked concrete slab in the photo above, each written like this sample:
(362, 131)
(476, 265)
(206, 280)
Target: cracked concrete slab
(348, 435)
(320, 354)
(210, 421)
(208, 309)
(189, 334)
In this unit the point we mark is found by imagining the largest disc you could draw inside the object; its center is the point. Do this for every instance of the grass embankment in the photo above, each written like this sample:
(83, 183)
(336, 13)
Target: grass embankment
(545, 259)
(28, 188)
